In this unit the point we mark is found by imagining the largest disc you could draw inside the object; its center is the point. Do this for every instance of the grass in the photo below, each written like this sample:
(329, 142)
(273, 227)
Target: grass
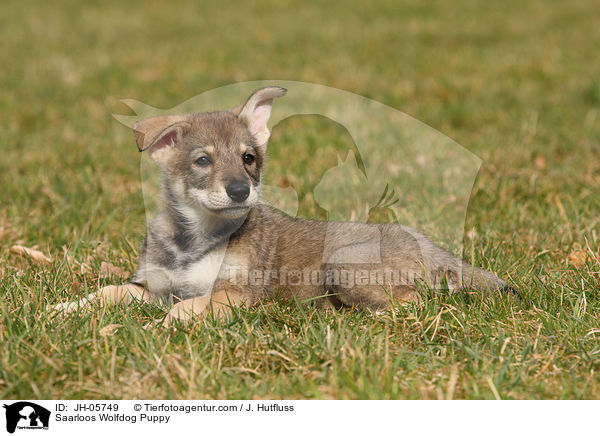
(514, 82)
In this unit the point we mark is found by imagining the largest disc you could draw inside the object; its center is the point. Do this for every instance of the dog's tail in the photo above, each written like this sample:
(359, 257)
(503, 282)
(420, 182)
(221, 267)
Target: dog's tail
(477, 278)
(454, 273)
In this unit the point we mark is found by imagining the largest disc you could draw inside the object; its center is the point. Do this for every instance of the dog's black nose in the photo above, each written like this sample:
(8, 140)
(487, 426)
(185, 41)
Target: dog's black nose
(238, 191)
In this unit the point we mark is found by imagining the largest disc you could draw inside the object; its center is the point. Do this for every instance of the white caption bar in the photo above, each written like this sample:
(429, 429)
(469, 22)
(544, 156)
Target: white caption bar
(265, 417)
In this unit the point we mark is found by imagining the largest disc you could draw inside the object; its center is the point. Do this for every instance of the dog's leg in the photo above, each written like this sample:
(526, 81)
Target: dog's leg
(219, 303)
(377, 297)
(106, 296)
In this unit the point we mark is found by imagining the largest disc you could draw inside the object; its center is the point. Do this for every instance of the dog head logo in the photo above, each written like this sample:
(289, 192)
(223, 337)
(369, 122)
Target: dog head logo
(26, 415)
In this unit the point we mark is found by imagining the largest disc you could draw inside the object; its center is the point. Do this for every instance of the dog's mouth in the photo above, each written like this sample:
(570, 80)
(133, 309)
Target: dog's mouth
(230, 211)
(225, 209)
(221, 206)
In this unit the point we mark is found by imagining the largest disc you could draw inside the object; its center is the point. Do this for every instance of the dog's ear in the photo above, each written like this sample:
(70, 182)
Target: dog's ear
(255, 112)
(159, 134)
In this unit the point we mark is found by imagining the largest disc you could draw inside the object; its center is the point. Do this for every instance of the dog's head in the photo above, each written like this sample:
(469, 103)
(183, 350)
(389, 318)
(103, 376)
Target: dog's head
(212, 160)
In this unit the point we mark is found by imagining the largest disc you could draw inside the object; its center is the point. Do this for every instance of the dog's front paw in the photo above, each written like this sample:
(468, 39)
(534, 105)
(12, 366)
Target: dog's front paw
(187, 310)
(68, 307)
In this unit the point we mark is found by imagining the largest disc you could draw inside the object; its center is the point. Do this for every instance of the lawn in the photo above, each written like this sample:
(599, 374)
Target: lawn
(517, 83)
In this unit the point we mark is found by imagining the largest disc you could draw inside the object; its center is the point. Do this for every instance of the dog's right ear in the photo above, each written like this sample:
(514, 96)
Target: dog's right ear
(158, 135)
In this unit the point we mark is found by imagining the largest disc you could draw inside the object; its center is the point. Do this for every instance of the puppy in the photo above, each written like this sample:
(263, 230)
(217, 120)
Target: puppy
(215, 244)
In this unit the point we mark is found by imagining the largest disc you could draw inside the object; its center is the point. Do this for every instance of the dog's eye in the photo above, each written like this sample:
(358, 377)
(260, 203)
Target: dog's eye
(249, 158)
(202, 161)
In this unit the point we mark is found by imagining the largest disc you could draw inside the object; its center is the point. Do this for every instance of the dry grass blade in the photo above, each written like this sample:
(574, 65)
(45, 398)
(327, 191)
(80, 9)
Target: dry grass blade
(577, 257)
(493, 388)
(109, 330)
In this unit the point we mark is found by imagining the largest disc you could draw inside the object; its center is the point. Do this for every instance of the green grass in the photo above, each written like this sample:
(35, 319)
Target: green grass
(516, 82)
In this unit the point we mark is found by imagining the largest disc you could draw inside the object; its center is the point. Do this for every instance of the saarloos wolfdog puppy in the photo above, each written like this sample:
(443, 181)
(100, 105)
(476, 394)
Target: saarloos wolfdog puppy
(215, 245)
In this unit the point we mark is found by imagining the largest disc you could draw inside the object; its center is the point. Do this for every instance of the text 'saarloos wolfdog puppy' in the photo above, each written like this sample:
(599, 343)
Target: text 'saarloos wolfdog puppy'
(215, 244)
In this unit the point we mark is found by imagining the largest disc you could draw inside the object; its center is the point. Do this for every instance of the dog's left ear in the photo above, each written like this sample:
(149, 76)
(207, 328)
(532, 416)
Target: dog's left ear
(255, 112)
